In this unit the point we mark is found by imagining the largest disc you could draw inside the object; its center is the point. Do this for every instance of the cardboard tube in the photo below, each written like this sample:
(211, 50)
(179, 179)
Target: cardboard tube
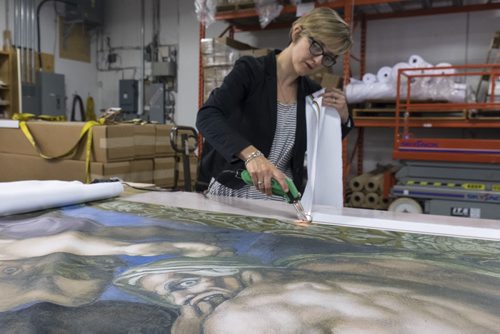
(375, 183)
(383, 204)
(357, 199)
(372, 200)
(357, 183)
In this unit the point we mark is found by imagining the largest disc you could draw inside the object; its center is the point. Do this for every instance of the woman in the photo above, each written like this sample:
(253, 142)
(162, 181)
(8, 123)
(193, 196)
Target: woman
(256, 119)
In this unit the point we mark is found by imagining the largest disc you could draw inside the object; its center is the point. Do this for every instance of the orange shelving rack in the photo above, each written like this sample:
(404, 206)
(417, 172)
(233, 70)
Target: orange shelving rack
(410, 146)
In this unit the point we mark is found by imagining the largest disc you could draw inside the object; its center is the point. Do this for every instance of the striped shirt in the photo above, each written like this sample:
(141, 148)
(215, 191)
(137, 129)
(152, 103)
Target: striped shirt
(280, 155)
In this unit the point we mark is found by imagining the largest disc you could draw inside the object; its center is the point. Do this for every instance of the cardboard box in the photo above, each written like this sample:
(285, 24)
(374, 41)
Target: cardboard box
(164, 172)
(162, 141)
(109, 142)
(222, 45)
(144, 141)
(141, 171)
(255, 52)
(15, 167)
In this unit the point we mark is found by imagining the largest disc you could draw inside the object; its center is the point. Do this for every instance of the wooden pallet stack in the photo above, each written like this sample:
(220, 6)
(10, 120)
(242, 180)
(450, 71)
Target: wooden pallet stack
(386, 110)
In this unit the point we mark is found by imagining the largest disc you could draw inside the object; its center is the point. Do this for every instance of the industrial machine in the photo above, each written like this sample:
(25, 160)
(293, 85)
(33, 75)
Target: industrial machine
(452, 189)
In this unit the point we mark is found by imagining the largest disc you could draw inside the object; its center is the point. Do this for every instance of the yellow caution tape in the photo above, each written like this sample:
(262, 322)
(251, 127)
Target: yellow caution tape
(86, 131)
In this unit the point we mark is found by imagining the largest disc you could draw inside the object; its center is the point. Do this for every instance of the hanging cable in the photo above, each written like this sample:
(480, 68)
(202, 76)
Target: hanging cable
(77, 99)
(38, 8)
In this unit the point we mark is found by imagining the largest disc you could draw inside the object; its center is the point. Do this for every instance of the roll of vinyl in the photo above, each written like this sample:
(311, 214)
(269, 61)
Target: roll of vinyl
(372, 200)
(384, 74)
(375, 183)
(405, 204)
(418, 61)
(369, 78)
(26, 196)
(445, 70)
(394, 72)
(357, 183)
(383, 204)
(460, 86)
(357, 199)
(356, 93)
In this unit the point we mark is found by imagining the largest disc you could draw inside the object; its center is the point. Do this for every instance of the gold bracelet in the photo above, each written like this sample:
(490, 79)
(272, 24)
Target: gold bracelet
(253, 155)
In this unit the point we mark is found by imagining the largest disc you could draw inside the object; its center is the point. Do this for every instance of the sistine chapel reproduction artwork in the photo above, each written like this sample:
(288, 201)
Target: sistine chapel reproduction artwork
(124, 267)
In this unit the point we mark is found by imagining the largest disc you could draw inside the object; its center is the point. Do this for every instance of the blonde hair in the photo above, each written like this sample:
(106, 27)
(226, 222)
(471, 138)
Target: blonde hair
(326, 25)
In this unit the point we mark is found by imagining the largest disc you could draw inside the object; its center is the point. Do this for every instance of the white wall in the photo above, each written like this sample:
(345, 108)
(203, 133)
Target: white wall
(80, 77)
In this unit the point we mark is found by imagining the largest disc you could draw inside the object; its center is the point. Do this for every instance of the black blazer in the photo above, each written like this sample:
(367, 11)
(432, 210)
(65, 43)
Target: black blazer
(243, 112)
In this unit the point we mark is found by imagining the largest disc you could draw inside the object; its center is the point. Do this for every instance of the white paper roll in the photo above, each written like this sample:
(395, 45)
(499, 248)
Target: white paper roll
(384, 74)
(445, 70)
(394, 72)
(418, 61)
(376, 91)
(27, 196)
(460, 86)
(369, 78)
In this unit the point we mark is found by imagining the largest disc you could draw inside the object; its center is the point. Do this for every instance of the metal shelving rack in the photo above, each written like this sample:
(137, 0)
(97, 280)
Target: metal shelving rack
(6, 90)
(409, 147)
(400, 9)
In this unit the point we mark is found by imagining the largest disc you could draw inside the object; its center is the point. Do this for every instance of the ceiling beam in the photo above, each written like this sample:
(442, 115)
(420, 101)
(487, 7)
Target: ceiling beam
(434, 11)
(290, 9)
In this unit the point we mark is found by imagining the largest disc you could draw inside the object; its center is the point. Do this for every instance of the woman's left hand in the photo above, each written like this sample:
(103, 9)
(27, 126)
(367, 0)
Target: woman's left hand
(334, 97)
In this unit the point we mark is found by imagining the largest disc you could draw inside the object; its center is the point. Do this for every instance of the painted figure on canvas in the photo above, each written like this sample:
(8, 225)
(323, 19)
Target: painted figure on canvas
(317, 294)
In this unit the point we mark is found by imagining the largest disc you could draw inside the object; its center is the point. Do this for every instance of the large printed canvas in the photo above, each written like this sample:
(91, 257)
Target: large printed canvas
(124, 267)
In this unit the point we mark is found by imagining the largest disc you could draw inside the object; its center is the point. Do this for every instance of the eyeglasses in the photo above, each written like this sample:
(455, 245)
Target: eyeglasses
(317, 50)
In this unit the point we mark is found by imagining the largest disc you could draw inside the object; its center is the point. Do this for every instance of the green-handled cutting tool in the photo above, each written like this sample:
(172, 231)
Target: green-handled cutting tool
(292, 196)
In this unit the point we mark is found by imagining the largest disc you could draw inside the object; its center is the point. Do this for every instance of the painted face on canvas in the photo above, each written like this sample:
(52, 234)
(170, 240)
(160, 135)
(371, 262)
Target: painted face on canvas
(191, 289)
(23, 282)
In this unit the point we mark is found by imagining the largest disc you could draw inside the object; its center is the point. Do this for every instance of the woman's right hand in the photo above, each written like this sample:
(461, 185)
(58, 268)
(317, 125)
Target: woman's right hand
(262, 172)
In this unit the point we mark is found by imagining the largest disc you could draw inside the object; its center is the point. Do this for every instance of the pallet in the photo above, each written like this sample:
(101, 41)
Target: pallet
(484, 115)
(228, 7)
(390, 113)
(391, 104)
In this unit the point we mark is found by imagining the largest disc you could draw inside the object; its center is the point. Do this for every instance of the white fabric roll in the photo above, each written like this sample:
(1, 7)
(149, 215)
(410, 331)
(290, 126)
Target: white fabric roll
(324, 156)
(27, 196)
(356, 93)
(445, 70)
(394, 72)
(369, 78)
(418, 61)
(384, 74)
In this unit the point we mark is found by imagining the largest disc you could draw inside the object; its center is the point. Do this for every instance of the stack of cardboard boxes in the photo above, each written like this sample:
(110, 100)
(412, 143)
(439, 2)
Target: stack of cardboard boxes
(134, 153)
(219, 56)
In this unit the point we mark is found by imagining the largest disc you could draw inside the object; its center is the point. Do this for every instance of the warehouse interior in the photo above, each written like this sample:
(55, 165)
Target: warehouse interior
(105, 48)
(102, 168)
